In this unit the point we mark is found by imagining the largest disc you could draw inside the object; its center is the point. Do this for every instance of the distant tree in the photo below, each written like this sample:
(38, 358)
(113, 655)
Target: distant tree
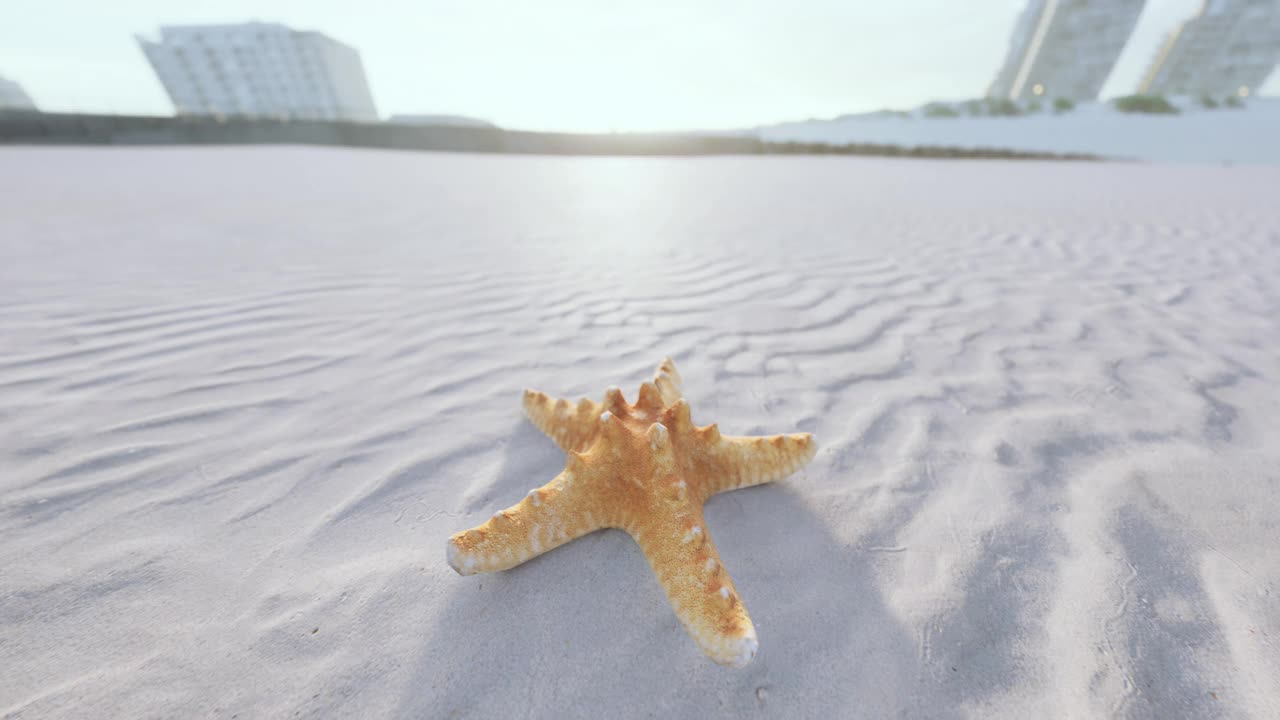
(1153, 104)
(940, 110)
(973, 107)
(1207, 101)
(1232, 101)
(1062, 105)
(1002, 106)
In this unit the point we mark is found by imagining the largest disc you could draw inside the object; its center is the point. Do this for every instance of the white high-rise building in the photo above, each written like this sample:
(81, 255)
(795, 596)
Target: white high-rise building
(260, 69)
(13, 97)
(1230, 47)
(1065, 48)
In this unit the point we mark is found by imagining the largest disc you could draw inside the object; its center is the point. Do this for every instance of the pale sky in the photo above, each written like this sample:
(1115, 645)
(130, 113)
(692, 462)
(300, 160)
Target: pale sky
(581, 65)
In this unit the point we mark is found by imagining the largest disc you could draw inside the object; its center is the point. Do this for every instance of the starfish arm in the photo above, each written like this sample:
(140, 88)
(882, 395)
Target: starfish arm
(646, 468)
(730, 463)
(686, 563)
(572, 426)
(548, 517)
(668, 382)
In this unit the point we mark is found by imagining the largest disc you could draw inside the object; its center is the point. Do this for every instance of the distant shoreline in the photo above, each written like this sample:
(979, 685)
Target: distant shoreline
(1194, 134)
(27, 128)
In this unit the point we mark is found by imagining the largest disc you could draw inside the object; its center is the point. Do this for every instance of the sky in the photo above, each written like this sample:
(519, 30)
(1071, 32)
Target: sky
(577, 65)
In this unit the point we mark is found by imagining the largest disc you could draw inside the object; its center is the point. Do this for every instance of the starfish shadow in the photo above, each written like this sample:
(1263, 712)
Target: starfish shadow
(586, 631)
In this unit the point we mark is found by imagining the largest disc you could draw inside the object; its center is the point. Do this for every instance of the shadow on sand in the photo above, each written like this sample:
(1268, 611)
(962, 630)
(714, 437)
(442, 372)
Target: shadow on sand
(585, 630)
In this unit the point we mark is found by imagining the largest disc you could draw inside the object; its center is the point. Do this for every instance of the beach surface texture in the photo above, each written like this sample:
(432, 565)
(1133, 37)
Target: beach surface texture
(246, 394)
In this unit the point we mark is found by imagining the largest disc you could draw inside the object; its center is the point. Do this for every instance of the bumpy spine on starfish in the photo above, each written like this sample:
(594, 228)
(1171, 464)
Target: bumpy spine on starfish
(571, 426)
(647, 469)
(738, 462)
(548, 517)
(680, 551)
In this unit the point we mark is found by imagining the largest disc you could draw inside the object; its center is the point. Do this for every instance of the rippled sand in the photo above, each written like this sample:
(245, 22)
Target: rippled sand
(246, 394)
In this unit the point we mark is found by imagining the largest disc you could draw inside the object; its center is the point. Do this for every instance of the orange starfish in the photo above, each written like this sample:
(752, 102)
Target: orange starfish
(646, 469)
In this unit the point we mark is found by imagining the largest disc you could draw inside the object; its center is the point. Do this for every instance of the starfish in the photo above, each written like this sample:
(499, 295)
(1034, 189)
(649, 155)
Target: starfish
(646, 469)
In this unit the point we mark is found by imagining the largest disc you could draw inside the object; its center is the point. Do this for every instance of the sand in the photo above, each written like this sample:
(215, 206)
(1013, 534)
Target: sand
(246, 395)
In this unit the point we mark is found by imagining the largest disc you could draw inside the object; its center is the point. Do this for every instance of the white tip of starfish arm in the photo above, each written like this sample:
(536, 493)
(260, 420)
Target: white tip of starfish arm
(743, 650)
(461, 565)
(532, 399)
(811, 449)
(668, 384)
(735, 651)
(668, 367)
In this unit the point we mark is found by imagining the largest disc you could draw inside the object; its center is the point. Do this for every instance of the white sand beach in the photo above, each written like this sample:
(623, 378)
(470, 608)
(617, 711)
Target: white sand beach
(247, 393)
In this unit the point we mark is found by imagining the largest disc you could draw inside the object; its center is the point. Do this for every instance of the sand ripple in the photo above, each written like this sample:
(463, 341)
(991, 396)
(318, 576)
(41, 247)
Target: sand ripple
(246, 394)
